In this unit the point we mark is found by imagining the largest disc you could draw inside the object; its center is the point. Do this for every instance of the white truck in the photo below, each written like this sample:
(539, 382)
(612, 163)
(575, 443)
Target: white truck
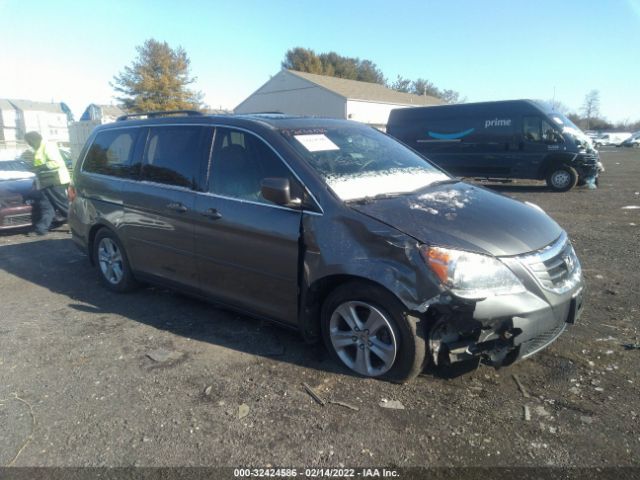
(610, 139)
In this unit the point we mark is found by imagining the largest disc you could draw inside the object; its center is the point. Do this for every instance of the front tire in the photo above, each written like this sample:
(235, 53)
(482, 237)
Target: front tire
(368, 330)
(112, 263)
(562, 178)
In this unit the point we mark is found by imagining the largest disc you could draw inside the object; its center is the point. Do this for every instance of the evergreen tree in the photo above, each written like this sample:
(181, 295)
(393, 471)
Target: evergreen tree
(158, 79)
(303, 60)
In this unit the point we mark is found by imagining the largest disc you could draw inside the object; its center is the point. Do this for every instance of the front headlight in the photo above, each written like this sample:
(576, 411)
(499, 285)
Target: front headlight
(470, 275)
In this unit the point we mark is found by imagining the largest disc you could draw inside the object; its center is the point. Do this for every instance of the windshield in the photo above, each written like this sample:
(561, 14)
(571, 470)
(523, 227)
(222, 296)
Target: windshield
(561, 120)
(362, 162)
(570, 128)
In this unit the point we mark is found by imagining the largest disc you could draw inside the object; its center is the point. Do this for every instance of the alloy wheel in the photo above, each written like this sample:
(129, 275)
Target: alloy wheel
(110, 260)
(363, 338)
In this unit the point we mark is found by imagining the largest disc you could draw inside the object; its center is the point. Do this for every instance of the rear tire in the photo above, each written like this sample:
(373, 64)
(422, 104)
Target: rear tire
(562, 178)
(112, 263)
(369, 331)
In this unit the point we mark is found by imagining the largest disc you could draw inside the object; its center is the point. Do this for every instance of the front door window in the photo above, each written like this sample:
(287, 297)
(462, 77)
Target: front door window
(535, 129)
(240, 162)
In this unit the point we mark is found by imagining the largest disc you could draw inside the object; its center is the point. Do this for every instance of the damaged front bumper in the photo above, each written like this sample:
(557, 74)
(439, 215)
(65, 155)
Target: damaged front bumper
(588, 165)
(506, 328)
(501, 330)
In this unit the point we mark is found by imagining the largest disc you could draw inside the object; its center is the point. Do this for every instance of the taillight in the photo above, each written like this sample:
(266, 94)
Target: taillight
(71, 193)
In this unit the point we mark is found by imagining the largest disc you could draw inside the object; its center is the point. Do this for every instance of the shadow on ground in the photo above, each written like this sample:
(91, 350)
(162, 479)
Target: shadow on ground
(56, 264)
(515, 188)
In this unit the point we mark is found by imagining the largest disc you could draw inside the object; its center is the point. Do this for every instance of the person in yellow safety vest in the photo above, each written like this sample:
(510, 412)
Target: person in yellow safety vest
(52, 179)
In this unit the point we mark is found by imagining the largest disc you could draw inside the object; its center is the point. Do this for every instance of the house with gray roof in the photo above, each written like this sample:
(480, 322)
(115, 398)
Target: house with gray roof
(18, 117)
(8, 122)
(94, 115)
(101, 113)
(300, 93)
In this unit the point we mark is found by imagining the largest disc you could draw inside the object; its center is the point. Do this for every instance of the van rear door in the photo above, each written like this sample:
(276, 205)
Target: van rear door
(159, 209)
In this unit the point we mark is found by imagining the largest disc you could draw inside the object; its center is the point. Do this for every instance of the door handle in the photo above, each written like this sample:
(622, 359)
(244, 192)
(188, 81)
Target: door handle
(177, 207)
(212, 213)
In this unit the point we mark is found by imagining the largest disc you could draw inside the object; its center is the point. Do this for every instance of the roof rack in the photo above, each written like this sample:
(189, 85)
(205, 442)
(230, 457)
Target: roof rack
(188, 113)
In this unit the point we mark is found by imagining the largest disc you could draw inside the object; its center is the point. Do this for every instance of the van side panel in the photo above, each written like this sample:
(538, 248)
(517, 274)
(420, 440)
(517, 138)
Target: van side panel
(482, 139)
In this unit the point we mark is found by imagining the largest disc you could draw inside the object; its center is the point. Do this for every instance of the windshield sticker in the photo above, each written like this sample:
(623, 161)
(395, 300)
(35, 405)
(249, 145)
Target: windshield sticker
(316, 143)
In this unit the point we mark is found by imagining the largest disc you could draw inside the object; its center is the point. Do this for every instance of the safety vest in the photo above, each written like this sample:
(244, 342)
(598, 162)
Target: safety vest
(50, 167)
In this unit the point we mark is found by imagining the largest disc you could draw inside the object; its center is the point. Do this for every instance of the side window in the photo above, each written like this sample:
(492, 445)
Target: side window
(174, 155)
(532, 129)
(240, 162)
(111, 152)
(550, 134)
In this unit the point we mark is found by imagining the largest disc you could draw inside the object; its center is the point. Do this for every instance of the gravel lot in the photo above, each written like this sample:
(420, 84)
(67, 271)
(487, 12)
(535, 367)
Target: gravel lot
(78, 386)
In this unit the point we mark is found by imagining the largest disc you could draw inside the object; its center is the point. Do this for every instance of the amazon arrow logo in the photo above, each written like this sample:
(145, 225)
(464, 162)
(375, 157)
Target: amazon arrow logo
(450, 136)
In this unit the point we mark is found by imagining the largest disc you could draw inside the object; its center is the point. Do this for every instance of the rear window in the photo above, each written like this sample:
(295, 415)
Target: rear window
(111, 153)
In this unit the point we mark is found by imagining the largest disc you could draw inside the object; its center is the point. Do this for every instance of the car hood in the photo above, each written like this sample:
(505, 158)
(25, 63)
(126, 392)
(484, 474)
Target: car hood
(466, 217)
(6, 175)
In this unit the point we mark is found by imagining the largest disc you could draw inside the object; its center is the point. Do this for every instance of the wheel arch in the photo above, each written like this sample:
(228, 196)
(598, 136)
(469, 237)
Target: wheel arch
(314, 295)
(553, 161)
(93, 232)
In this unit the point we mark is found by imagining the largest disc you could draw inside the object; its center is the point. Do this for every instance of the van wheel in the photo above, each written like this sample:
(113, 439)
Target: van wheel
(112, 263)
(562, 178)
(369, 331)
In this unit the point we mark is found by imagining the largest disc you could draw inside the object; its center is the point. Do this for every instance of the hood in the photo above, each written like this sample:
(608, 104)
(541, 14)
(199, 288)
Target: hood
(466, 217)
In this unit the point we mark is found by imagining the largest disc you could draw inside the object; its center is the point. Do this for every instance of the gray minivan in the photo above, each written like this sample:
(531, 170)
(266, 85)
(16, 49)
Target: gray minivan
(327, 226)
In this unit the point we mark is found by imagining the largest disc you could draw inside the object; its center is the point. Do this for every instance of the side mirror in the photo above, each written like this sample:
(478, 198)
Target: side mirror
(278, 191)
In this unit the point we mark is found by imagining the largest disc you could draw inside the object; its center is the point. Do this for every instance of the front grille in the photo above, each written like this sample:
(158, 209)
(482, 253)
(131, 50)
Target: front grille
(556, 267)
(17, 220)
(12, 201)
(541, 341)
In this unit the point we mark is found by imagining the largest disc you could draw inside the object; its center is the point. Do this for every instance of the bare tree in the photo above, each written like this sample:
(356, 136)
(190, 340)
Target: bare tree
(591, 106)
(558, 106)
